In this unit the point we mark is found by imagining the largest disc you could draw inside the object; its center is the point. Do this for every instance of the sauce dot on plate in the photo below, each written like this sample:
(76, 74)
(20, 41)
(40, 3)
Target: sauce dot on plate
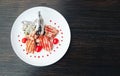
(34, 56)
(60, 30)
(59, 44)
(58, 26)
(18, 35)
(50, 20)
(42, 56)
(19, 40)
(57, 47)
(54, 23)
(23, 49)
(47, 54)
(38, 56)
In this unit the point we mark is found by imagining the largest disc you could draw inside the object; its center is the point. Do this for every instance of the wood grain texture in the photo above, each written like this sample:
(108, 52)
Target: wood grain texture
(95, 44)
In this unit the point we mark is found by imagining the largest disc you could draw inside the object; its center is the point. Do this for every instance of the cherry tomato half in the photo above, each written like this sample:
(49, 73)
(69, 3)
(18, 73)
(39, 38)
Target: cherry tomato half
(55, 41)
(24, 40)
(38, 48)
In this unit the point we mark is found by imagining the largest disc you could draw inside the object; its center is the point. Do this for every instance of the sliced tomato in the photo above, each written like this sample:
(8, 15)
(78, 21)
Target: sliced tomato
(55, 41)
(24, 40)
(38, 48)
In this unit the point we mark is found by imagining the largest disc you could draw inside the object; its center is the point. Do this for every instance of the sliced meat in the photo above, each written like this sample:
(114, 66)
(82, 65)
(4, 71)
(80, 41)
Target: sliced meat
(30, 46)
(45, 42)
(50, 31)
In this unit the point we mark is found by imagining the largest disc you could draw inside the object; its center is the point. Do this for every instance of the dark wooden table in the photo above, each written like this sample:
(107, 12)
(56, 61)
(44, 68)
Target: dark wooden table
(95, 44)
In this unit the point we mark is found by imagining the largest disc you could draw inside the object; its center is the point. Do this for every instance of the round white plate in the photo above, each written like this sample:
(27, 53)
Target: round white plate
(50, 17)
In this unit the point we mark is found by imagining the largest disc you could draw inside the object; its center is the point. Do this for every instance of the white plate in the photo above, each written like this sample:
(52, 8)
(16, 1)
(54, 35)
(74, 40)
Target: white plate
(51, 17)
